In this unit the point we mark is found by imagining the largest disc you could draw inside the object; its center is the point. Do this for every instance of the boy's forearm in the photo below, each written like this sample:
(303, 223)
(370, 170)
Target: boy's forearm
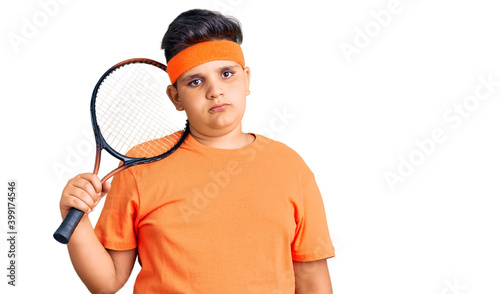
(323, 287)
(312, 277)
(305, 290)
(91, 260)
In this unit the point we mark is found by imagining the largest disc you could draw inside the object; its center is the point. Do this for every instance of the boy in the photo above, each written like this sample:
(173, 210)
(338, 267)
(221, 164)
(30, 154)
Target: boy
(228, 212)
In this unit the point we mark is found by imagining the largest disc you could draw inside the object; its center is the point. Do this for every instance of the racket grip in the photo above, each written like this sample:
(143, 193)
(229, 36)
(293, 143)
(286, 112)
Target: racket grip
(67, 227)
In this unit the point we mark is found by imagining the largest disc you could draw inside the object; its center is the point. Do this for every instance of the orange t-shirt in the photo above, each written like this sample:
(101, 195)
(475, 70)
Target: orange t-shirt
(208, 220)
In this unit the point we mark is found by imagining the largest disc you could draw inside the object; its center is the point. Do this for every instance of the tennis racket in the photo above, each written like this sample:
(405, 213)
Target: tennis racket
(133, 120)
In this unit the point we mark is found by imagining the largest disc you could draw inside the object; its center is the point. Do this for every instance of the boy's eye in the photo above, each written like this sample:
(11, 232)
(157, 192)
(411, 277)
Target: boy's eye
(195, 82)
(227, 74)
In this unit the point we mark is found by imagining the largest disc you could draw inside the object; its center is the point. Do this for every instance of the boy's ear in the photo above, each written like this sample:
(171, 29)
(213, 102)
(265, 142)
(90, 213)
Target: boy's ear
(246, 70)
(174, 97)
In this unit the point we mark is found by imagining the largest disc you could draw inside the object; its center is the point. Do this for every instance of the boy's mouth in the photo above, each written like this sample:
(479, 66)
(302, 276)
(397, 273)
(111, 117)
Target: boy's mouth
(219, 107)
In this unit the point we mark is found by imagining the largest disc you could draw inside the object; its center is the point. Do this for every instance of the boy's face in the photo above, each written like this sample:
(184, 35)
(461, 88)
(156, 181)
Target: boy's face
(213, 95)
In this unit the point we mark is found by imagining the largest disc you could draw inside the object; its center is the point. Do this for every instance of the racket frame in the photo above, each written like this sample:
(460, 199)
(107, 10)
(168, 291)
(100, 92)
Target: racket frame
(101, 142)
(64, 232)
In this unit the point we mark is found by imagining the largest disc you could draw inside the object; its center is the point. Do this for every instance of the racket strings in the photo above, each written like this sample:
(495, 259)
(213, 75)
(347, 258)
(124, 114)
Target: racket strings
(146, 131)
(134, 113)
(117, 142)
(156, 102)
(129, 112)
(157, 109)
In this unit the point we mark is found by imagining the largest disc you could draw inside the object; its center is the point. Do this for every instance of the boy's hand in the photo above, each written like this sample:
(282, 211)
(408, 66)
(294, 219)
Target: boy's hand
(82, 192)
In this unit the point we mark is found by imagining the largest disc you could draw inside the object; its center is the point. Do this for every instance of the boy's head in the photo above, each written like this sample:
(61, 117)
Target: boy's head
(206, 67)
(196, 26)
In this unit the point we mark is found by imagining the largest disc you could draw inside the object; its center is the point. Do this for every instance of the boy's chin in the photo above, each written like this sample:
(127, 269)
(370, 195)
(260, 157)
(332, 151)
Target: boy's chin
(220, 128)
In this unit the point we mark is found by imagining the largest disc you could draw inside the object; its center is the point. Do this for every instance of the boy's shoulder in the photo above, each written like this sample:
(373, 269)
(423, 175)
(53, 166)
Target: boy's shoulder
(277, 149)
(266, 141)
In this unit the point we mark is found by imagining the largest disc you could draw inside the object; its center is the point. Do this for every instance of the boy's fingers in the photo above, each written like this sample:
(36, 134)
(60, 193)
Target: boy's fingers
(82, 192)
(81, 205)
(84, 197)
(88, 184)
(105, 188)
(84, 188)
(94, 180)
(73, 201)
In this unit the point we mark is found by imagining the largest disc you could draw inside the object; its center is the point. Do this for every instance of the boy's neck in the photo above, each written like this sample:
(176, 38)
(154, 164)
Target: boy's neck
(234, 139)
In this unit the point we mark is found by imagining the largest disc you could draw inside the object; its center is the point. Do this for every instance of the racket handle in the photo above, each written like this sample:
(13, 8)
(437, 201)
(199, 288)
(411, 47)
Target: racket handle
(68, 226)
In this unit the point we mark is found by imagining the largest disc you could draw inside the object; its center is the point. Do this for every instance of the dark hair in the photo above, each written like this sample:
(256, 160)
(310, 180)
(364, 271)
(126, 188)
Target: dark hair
(199, 25)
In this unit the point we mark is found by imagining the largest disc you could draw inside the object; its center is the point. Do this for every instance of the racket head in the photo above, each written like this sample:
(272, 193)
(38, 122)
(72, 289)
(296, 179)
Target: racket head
(133, 120)
(132, 116)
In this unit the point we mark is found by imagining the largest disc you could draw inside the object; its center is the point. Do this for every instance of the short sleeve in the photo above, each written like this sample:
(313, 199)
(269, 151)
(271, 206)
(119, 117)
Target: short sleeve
(116, 227)
(312, 238)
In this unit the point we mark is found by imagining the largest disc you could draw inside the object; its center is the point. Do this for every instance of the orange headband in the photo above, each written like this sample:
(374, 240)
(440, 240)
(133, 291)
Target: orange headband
(201, 53)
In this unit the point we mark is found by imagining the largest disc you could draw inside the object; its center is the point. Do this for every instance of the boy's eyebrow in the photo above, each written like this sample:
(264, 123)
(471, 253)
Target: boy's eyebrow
(195, 76)
(191, 77)
(228, 67)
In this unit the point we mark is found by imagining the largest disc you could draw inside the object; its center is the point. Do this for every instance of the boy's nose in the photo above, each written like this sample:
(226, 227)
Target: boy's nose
(214, 90)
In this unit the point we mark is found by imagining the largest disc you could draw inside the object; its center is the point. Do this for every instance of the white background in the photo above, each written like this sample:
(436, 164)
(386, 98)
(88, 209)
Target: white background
(353, 118)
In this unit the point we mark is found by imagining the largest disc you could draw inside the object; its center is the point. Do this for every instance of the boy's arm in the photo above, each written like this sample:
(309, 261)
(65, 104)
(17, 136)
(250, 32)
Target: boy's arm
(312, 277)
(101, 270)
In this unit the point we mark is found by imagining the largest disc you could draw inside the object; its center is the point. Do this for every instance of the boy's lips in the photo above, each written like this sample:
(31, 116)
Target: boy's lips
(219, 107)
